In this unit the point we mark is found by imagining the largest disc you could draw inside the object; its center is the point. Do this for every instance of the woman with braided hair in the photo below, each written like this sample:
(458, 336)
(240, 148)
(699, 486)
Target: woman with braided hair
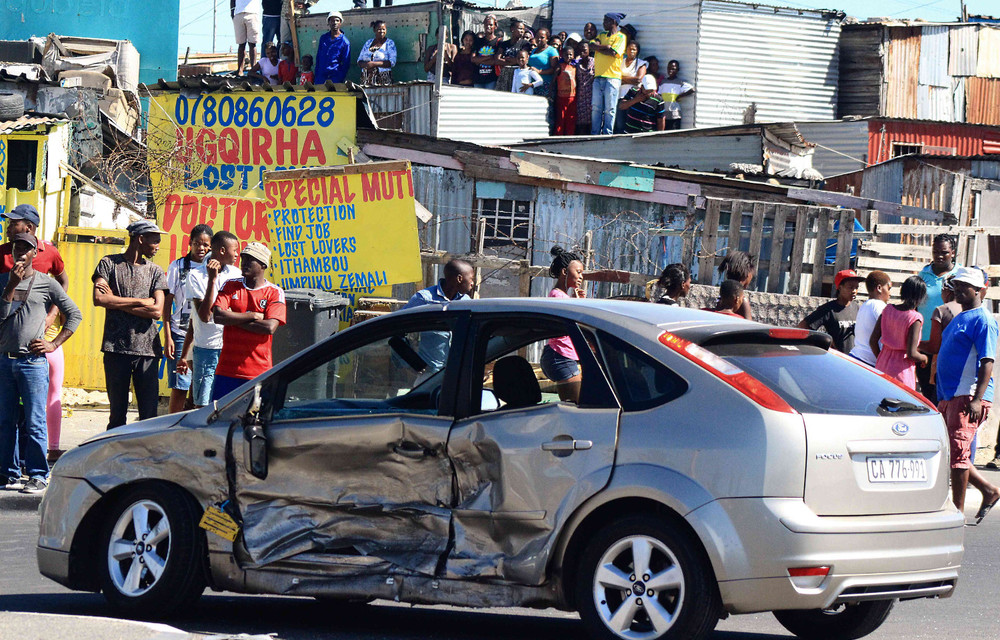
(674, 283)
(560, 362)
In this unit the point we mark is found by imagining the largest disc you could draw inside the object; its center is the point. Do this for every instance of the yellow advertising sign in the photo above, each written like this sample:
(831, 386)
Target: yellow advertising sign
(209, 154)
(351, 228)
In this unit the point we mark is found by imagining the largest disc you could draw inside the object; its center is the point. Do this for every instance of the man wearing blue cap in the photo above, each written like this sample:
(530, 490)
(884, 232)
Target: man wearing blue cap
(132, 289)
(609, 51)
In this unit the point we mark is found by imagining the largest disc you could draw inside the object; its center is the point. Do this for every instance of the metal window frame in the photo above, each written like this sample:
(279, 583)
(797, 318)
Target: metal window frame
(493, 218)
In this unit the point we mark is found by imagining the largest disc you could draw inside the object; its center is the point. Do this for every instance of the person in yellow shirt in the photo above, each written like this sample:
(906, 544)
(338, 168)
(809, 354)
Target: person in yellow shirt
(608, 54)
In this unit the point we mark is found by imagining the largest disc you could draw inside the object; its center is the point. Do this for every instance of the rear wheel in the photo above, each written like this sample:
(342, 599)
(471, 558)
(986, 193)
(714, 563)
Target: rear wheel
(154, 552)
(844, 622)
(640, 579)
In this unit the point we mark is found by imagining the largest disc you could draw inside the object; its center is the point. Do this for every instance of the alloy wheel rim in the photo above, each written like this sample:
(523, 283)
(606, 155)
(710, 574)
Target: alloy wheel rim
(139, 548)
(638, 588)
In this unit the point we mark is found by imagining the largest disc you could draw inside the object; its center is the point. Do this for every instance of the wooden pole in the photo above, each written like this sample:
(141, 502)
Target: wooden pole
(439, 68)
(294, 29)
(480, 245)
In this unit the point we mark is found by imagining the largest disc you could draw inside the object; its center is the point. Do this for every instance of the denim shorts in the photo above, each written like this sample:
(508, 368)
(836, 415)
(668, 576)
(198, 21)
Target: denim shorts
(175, 380)
(556, 367)
(203, 374)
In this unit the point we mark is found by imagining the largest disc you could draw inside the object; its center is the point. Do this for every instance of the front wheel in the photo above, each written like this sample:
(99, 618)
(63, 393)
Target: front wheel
(640, 579)
(844, 622)
(154, 552)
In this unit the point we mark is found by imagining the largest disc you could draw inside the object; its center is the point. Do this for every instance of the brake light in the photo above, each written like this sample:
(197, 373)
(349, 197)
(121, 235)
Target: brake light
(728, 372)
(805, 578)
(788, 334)
(912, 392)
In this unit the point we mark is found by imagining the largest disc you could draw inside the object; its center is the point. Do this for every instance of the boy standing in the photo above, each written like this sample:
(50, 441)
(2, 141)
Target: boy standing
(838, 316)
(730, 299)
(965, 384)
(878, 285)
(251, 310)
(203, 343)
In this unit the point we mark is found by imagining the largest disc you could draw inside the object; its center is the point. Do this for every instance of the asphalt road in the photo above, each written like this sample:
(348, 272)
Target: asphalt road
(971, 613)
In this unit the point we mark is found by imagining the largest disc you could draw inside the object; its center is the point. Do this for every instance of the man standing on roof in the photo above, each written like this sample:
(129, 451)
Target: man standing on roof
(246, 24)
(25, 300)
(24, 219)
(333, 53)
(609, 50)
(251, 309)
(132, 289)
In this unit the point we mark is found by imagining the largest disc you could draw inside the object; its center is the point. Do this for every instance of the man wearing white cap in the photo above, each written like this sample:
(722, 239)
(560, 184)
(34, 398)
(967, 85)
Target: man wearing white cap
(643, 107)
(333, 52)
(965, 384)
(132, 290)
(251, 309)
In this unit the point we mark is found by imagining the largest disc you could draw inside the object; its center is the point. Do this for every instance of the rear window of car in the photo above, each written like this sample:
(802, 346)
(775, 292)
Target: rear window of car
(812, 380)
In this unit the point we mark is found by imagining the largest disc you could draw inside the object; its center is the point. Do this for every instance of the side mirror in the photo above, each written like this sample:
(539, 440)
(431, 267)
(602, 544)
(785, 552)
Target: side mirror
(489, 402)
(255, 449)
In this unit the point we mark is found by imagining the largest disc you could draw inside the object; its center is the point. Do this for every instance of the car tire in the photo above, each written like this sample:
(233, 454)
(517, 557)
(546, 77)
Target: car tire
(608, 593)
(844, 623)
(168, 573)
(11, 106)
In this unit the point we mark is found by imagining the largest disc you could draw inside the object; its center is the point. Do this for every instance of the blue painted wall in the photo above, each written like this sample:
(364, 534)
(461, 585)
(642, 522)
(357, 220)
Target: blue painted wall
(151, 26)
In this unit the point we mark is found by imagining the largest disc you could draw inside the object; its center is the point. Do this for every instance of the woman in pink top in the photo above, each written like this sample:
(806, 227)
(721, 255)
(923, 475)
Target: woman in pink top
(899, 331)
(559, 361)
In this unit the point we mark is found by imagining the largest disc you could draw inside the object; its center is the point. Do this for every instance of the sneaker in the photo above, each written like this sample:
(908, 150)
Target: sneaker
(994, 463)
(35, 485)
(14, 484)
(54, 455)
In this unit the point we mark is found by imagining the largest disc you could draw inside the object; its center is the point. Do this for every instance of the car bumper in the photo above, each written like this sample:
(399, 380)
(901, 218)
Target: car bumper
(870, 557)
(66, 502)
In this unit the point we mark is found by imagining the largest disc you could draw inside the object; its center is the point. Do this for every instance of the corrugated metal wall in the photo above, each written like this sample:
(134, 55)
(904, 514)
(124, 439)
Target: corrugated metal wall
(988, 64)
(952, 138)
(861, 59)
(934, 57)
(963, 50)
(412, 103)
(884, 182)
(835, 141)
(982, 100)
(667, 29)
(491, 117)
(450, 196)
(785, 61)
(694, 153)
(902, 70)
(985, 169)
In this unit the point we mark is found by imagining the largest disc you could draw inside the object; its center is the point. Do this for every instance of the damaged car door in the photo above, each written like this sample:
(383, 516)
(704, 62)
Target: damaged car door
(524, 459)
(358, 480)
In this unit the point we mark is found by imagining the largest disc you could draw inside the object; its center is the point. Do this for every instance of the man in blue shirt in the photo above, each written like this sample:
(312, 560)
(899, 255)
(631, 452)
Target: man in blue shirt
(458, 282)
(333, 53)
(941, 268)
(965, 384)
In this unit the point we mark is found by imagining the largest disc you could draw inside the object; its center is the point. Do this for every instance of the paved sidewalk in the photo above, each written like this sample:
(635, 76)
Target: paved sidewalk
(46, 625)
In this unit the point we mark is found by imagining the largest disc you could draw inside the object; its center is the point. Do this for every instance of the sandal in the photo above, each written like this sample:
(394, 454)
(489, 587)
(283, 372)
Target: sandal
(985, 509)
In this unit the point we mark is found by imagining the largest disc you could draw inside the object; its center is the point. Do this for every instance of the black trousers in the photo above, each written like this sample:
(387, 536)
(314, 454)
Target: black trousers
(924, 383)
(122, 370)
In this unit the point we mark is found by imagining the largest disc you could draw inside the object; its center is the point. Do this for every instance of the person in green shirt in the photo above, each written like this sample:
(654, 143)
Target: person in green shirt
(609, 51)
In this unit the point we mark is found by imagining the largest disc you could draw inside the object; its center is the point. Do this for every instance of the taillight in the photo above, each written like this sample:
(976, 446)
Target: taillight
(808, 577)
(788, 334)
(728, 372)
(912, 392)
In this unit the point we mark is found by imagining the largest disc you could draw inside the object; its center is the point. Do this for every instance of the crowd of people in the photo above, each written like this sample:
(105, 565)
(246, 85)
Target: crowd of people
(218, 319)
(595, 83)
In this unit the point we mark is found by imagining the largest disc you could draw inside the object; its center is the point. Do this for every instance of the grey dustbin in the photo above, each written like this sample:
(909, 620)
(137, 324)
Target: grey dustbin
(313, 315)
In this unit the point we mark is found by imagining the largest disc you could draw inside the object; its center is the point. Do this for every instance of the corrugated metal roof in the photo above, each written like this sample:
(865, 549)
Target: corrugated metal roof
(901, 72)
(667, 29)
(490, 117)
(28, 121)
(988, 65)
(933, 69)
(982, 100)
(963, 50)
(935, 103)
(835, 141)
(784, 61)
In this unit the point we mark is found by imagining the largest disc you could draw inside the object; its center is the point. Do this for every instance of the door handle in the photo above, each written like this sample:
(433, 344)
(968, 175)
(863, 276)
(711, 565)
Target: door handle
(411, 450)
(567, 445)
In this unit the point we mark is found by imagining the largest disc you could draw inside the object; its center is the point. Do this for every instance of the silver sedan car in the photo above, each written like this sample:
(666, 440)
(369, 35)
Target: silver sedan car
(710, 466)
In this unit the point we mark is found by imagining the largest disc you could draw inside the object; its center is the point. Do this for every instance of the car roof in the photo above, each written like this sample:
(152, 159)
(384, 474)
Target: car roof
(693, 324)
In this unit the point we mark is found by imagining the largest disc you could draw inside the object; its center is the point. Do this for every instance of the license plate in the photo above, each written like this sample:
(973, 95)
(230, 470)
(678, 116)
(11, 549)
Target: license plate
(896, 469)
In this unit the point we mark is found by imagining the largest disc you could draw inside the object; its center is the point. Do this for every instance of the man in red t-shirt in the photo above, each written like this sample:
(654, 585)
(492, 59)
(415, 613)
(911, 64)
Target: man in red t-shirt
(24, 219)
(251, 310)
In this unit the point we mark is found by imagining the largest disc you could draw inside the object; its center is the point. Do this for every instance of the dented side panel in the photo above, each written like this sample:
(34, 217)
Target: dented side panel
(513, 496)
(340, 487)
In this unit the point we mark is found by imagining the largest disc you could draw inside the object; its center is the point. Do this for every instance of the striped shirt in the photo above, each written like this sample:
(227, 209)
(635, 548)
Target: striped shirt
(643, 116)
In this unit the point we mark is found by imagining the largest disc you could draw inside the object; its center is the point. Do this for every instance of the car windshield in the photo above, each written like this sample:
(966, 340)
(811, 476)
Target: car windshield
(814, 381)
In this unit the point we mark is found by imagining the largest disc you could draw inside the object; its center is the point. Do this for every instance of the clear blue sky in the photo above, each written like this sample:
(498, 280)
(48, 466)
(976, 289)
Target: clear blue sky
(196, 15)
